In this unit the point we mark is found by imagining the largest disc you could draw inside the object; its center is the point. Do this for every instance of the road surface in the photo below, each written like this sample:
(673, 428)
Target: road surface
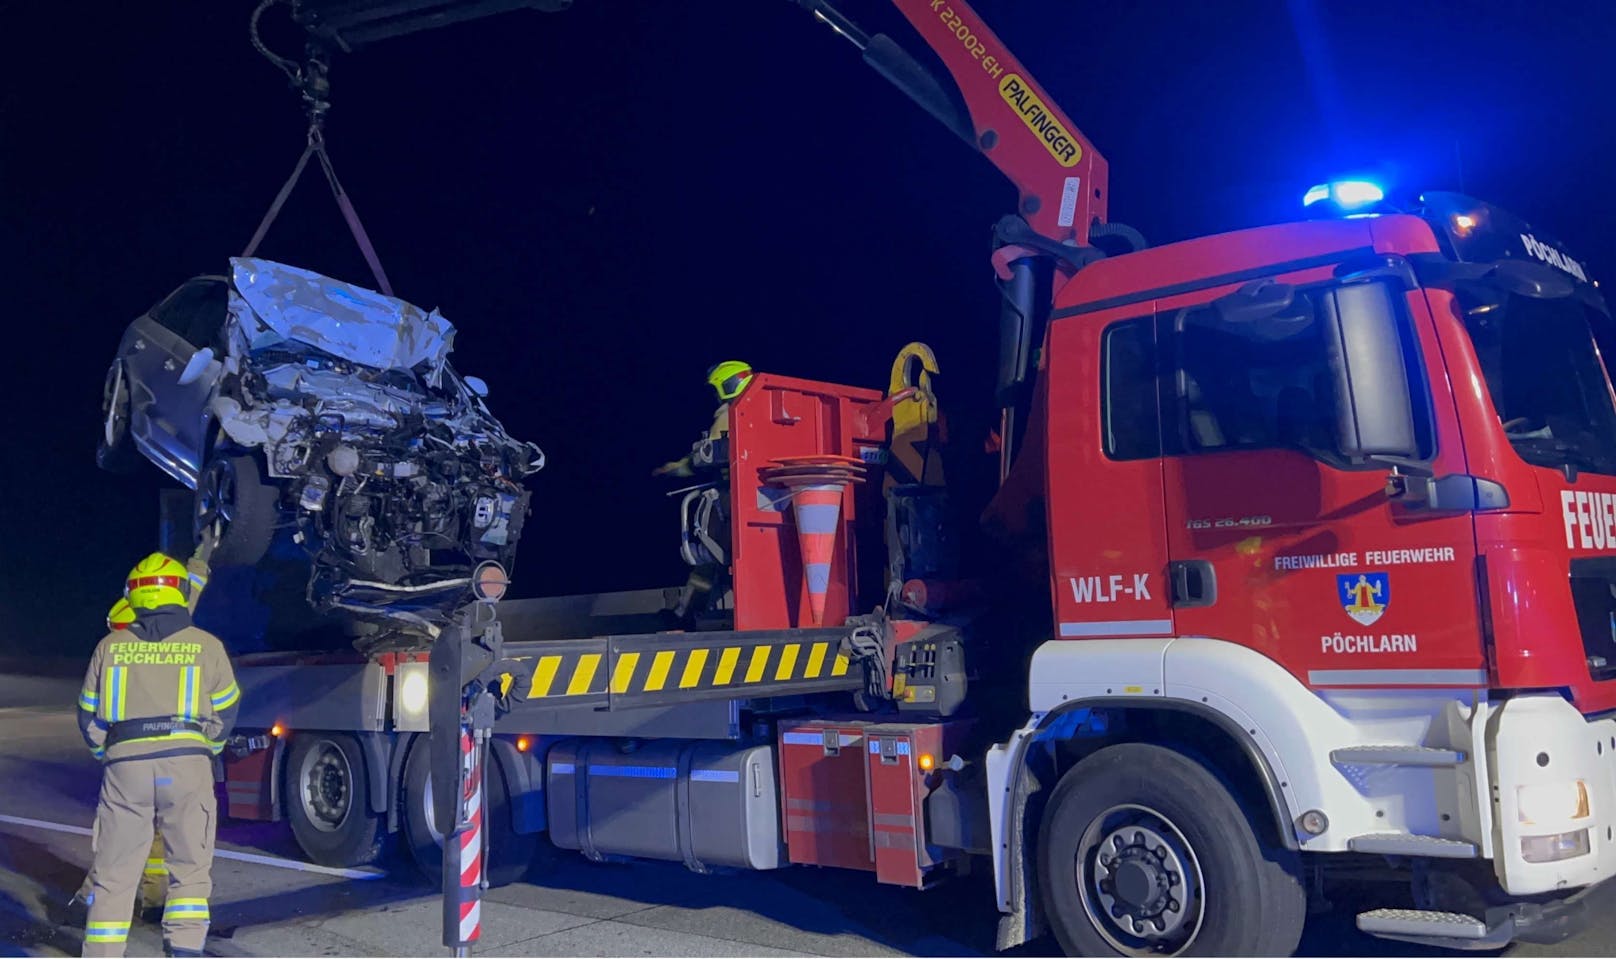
(266, 903)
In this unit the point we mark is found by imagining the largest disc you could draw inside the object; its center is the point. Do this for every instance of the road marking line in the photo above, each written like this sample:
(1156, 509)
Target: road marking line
(217, 853)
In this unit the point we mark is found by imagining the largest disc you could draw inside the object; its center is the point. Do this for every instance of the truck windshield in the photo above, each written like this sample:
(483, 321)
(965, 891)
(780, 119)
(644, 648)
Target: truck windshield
(1541, 361)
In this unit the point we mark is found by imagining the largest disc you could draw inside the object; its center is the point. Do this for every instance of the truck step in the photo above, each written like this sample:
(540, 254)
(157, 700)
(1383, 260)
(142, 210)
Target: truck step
(1421, 924)
(1406, 844)
(1396, 756)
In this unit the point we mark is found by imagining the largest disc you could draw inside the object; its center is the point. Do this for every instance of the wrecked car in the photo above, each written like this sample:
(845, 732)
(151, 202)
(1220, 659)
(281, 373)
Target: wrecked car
(286, 399)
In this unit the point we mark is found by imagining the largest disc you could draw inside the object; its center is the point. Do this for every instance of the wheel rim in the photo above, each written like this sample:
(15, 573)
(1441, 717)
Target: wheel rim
(114, 420)
(327, 786)
(1140, 882)
(215, 498)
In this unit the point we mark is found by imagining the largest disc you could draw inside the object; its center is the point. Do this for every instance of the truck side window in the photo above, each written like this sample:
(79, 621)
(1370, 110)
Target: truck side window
(1255, 383)
(1129, 390)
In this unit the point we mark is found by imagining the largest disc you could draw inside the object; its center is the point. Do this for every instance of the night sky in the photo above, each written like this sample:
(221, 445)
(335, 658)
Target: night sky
(608, 200)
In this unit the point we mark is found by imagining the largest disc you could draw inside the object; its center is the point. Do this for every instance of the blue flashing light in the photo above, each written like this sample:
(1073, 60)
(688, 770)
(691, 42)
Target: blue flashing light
(1347, 194)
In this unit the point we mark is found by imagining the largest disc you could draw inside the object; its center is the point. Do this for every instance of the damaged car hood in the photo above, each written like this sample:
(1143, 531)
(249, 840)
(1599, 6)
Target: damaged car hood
(275, 303)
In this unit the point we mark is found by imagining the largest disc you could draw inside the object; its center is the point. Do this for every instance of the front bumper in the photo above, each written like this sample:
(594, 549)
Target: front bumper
(1541, 741)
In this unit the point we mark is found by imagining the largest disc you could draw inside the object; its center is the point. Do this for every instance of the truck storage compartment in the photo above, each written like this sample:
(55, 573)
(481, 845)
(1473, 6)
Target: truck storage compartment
(825, 778)
(900, 781)
(700, 803)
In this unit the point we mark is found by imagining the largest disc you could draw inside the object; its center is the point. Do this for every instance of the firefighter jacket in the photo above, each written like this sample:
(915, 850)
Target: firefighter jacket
(718, 431)
(161, 687)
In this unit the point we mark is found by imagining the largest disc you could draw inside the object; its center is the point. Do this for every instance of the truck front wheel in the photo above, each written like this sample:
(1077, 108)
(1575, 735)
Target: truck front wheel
(1144, 852)
(328, 801)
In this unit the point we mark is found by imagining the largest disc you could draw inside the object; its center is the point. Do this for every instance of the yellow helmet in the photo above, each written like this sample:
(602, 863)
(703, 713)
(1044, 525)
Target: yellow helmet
(121, 615)
(729, 378)
(157, 580)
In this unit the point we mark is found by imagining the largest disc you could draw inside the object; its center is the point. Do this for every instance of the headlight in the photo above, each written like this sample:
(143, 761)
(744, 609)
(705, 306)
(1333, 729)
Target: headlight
(1551, 802)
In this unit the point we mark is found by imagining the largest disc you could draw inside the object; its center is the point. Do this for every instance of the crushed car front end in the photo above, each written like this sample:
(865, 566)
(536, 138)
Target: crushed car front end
(333, 410)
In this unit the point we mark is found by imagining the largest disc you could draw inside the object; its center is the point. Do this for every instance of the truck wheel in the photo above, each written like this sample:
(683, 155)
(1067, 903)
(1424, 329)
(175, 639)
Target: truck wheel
(510, 853)
(328, 801)
(232, 497)
(1144, 852)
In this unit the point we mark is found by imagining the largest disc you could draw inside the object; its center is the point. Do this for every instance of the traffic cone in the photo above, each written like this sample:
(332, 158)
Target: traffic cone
(818, 512)
(817, 483)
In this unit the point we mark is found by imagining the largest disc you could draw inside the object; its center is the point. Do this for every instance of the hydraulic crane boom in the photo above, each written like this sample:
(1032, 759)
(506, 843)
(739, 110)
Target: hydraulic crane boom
(1061, 177)
(1008, 117)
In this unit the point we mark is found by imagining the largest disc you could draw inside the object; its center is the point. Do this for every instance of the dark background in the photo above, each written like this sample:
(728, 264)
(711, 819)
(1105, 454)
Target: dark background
(608, 200)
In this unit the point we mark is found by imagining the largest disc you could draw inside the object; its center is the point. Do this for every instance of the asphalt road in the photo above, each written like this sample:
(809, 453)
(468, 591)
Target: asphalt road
(566, 907)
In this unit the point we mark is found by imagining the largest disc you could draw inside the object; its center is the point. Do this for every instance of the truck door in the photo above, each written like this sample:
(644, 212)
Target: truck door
(1278, 543)
(1108, 542)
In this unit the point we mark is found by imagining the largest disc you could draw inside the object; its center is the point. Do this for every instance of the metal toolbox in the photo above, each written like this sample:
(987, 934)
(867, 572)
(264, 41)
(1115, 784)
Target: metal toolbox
(824, 776)
(904, 761)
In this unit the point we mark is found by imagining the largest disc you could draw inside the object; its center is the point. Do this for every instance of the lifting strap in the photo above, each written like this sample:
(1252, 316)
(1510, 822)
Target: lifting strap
(311, 81)
(316, 148)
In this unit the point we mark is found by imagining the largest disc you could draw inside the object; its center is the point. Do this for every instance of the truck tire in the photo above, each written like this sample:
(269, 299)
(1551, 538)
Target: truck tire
(1144, 851)
(328, 801)
(231, 494)
(510, 853)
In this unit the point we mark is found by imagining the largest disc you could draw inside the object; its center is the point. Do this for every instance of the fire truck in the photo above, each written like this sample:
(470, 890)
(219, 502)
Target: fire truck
(1301, 563)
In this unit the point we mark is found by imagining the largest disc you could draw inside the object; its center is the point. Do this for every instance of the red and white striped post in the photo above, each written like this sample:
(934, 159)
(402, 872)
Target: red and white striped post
(465, 850)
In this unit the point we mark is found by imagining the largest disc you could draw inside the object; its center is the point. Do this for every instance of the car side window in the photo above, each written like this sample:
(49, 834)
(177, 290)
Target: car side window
(1129, 390)
(195, 311)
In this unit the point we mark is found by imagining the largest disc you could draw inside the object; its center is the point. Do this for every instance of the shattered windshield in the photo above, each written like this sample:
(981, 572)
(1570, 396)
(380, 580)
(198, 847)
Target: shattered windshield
(1541, 359)
(278, 303)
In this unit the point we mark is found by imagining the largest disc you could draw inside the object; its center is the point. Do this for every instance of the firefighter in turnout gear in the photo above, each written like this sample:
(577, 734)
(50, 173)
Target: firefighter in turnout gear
(159, 700)
(154, 878)
(727, 379)
(705, 510)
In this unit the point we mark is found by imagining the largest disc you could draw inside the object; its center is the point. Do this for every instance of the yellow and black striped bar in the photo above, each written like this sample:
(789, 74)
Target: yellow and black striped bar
(626, 672)
(566, 672)
(683, 667)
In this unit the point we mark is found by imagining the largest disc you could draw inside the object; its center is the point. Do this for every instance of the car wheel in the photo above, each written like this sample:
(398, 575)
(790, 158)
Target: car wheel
(328, 801)
(232, 498)
(115, 452)
(510, 853)
(1144, 852)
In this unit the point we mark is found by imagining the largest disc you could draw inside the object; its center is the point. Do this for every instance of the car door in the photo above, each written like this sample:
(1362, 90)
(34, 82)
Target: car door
(170, 419)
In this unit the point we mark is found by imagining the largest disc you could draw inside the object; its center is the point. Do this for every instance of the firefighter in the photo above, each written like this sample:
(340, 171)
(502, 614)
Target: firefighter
(727, 379)
(158, 702)
(707, 538)
(154, 878)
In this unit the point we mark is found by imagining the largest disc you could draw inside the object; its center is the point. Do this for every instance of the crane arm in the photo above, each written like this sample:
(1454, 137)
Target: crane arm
(1010, 119)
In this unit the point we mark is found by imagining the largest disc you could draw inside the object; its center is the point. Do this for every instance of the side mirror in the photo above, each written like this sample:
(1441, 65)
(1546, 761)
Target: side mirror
(198, 364)
(1374, 409)
(476, 385)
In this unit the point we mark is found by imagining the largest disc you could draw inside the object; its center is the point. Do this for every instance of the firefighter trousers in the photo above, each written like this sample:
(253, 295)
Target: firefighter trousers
(153, 881)
(174, 794)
